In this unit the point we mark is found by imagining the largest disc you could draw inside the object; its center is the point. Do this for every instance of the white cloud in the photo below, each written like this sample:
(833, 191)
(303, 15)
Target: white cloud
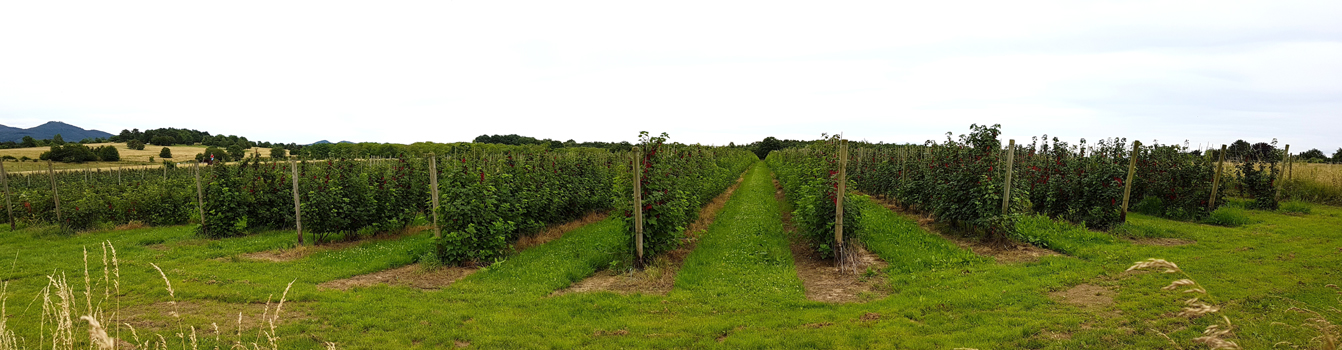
(709, 72)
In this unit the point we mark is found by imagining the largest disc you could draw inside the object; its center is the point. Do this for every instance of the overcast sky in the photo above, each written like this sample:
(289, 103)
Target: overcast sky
(705, 72)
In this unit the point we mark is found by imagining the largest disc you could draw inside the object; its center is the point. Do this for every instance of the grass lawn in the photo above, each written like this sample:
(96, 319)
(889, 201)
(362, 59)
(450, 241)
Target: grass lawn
(738, 289)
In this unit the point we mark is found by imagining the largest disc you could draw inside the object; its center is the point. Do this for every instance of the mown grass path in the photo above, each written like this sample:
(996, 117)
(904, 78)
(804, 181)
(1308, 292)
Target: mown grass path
(744, 254)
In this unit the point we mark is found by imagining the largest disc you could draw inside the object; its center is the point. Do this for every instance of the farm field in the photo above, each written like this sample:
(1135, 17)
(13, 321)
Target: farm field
(737, 289)
(129, 158)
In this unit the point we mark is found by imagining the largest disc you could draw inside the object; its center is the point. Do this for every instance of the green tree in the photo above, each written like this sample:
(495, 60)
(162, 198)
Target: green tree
(769, 144)
(1337, 156)
(163, 141)
(165, 153)
(1313, 155)
(236, 152)
(277, 152)
(58, 140)
(1238, 149)
(135, 144)
(28, 141)
(108, 154)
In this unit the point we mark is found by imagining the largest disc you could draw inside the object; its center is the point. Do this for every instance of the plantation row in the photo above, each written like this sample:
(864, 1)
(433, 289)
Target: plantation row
(674, 182)
(488, 195)
(962, 181)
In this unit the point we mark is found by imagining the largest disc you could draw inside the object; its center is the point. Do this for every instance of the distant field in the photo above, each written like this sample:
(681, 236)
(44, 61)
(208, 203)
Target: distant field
(129, 157)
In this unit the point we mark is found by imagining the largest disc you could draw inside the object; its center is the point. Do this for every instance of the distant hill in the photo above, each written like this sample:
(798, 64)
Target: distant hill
(68, 132)
(325, 142)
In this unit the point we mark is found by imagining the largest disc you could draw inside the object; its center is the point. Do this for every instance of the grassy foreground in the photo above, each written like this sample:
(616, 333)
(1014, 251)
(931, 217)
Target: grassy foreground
(738, 289)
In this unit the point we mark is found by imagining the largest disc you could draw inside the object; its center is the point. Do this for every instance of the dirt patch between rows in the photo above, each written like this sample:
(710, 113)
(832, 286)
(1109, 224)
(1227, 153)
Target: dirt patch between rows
(412, 275)
(1165, 242)
(1087, 297)
(295, 253)
(823, 280)
(660, 277)
(1009, 252)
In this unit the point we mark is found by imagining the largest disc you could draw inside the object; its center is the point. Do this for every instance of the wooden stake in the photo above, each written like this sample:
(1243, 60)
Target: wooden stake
(55, 195)
(1281, 180)
(1006, 188)
(1216, 181)
(1127, 185)
(839, 194)
(200, 199)
(298, 209)
(4, 180)
(638, 203)
(433, 190)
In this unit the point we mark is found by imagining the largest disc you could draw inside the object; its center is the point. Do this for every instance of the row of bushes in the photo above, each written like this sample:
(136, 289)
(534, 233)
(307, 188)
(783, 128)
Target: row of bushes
(341, 198)
(95, 198)
(491, 196)
(961, 181)
(676, 181)
(809, 177)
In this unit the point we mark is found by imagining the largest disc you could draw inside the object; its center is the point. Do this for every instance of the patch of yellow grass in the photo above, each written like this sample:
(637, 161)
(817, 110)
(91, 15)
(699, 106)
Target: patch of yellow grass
(129, 158)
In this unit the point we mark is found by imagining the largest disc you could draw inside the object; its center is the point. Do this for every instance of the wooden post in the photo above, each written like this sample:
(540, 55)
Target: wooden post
(1216, 181)
(839, 194)
(638, 203)
(298, 211)
(55, 194)
(433, 191)
(4, 180)
(200, 199)
(1278, 173)
(1127, 185)
(1006, 188)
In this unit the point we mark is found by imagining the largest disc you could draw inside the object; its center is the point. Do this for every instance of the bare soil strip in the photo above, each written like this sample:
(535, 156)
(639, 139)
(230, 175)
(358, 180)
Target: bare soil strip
(821, 278)
(409, 276)
(416, 276)
(661, 276)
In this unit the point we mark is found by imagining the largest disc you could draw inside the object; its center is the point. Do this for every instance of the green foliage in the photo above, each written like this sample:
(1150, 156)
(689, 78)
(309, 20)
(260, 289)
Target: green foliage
(163, 140)
(236, 152)
(676, 180)
(1180, 180)
(213, 154)
(135, 145)
(1296, 207)
(28, 141)
(958, 181)
(1313, 155)
(71, 153)
(1257, 177)
(810, 178)
(488, 199)
(225, 211)
(1228, 216)
(108, 154)
(277, 153)
(165, 153)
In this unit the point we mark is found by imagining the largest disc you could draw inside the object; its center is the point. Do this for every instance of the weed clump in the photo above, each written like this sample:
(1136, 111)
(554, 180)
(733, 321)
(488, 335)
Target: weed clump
(1228, 217)
(1296, 207)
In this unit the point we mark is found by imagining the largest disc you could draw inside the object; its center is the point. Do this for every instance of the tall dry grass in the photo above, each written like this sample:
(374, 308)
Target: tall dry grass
(1215, 336)
(66, 317)
(1315, 183)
